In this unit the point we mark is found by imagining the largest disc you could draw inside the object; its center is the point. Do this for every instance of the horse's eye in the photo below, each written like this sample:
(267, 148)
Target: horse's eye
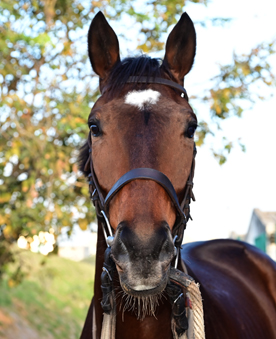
(95, 130)
(191, 131)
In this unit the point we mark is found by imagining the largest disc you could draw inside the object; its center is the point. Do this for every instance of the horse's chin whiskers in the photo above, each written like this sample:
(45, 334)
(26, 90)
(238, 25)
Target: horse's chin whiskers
(141, 306)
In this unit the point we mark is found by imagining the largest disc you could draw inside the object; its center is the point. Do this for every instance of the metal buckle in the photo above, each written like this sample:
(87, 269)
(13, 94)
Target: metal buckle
(109, 276)
(108, 238)
(176, 251)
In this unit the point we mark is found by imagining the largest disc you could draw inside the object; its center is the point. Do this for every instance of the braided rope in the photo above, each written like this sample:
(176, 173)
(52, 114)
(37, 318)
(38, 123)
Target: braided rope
(109, 321)
(195, 315)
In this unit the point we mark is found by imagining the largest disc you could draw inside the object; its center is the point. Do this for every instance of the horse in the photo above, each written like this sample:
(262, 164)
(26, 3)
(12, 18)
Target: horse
(139, 159)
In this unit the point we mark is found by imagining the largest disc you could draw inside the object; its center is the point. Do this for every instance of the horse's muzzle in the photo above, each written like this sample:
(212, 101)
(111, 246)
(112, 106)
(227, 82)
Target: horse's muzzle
(143, 262)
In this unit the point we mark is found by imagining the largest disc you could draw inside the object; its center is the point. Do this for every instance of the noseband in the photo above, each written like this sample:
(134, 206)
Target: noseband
(182, 208)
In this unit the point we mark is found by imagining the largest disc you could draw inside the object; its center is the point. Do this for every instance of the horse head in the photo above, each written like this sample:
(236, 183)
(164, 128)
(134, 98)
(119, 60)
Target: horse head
(139, 159)
(141, 130)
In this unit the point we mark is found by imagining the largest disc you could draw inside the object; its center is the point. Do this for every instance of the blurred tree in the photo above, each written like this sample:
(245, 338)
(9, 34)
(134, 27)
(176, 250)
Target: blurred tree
(47, 90)
(45, 98)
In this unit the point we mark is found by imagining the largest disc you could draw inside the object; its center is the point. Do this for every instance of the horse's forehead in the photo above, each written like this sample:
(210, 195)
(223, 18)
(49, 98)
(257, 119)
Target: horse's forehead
(148, 100)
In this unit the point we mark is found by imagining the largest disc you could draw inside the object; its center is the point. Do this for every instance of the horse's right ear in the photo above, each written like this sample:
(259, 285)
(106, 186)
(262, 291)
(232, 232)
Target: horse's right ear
(181, 48)
(103, 46)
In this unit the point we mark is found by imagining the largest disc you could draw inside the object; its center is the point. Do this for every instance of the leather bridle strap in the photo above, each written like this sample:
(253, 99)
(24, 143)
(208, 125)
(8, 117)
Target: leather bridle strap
(148, 174)
(159, 81)
(96, 195)
(153, 80)
(162, 180)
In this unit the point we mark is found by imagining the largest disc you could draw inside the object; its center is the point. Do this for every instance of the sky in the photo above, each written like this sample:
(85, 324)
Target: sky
(226, 195)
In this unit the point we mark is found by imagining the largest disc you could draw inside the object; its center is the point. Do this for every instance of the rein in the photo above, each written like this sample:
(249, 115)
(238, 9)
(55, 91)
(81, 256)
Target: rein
(101, 203)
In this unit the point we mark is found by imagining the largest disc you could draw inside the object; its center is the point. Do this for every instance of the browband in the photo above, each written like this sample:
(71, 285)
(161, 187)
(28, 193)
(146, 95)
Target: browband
(160, 81)
(153, 80)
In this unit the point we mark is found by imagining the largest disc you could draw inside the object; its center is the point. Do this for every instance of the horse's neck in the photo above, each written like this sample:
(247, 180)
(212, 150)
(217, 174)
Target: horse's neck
(151, 327)
(127, 324)
(101, 247)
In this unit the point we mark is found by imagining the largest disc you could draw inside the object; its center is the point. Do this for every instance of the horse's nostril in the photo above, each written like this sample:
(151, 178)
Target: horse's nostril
(167, 267)
(119, 268)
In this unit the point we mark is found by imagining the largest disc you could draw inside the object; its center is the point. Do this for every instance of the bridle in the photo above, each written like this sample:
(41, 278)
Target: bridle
(178, 279)
(182, 208)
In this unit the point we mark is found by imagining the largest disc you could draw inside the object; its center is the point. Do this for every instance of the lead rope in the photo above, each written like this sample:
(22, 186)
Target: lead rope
(108, 302)
(109, 320)
(195, 316)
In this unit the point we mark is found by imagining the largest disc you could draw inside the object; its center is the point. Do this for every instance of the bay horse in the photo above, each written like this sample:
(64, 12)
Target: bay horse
(139, 160)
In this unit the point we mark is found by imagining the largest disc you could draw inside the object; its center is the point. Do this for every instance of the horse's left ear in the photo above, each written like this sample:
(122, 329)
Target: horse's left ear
(181, 48)
(103, 46)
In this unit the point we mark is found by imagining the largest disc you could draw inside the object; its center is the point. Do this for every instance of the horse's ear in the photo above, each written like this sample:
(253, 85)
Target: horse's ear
(181, 48)
(103, 46)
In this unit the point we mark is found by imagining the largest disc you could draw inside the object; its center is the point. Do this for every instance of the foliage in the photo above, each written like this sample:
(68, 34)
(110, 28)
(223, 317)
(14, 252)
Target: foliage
(5, 258)
(243, 80)
(44, 104)
(47, 90)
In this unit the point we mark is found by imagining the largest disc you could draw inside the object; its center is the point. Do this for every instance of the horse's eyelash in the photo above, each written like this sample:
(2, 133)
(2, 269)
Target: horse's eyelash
(92, 121)
(194, 125)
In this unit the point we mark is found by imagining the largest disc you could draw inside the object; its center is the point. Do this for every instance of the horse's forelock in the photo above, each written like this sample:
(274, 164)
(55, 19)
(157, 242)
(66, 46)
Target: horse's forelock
(135, 66)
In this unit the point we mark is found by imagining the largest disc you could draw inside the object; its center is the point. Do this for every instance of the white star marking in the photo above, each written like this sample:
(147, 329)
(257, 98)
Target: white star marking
(141, 98)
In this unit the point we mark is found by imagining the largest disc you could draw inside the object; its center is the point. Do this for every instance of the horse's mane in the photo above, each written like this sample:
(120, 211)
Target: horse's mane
(83, 157)
(135, 66)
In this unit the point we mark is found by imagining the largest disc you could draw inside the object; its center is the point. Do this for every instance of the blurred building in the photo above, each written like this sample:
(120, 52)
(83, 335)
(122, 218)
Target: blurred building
(78, 249)
(262, 231)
